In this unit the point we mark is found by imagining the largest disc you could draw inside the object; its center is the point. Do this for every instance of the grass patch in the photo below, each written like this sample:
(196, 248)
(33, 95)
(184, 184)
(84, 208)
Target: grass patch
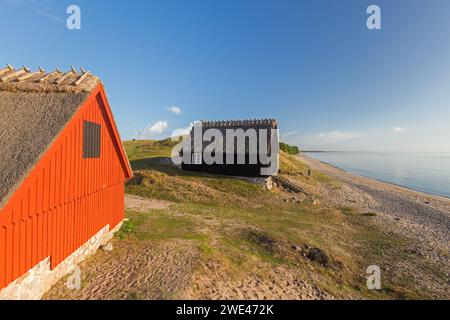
(240, 224)
(145, 149)
(130, 225)
(369, 214)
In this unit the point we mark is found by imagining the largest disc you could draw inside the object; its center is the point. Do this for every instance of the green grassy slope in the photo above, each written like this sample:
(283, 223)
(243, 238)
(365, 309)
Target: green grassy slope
(241, 226)
(145, 149)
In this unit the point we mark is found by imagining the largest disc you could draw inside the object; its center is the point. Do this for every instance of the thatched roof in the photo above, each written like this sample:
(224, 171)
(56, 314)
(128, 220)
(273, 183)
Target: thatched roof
(233, 124)
(222, 126)
(26, 80)
(32, 114)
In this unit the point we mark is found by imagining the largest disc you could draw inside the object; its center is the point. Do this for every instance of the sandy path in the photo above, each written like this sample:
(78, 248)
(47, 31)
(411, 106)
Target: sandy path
(140, 204)
(174, 269)
(145, 270)
(279, 283)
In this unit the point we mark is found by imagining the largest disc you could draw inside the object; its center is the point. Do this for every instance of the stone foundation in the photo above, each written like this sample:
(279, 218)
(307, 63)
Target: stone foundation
(37, 281)
(266, 183)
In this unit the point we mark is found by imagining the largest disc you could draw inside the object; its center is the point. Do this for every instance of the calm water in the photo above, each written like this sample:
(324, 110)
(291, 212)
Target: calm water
(426, 172)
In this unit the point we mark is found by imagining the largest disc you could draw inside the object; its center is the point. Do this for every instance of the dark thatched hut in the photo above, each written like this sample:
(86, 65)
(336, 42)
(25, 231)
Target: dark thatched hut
(246, 148)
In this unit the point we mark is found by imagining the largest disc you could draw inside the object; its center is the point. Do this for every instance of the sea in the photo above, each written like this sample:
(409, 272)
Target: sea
(420, 171)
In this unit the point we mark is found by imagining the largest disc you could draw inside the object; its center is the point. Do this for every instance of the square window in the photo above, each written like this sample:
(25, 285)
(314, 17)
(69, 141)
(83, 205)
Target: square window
(91, 140)
(197, 158)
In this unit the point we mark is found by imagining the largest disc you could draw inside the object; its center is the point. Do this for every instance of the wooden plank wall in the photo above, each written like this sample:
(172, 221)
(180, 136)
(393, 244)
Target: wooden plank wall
(65, 200)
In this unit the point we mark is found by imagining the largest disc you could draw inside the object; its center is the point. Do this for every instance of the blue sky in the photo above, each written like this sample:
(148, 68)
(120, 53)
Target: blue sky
(313, 65)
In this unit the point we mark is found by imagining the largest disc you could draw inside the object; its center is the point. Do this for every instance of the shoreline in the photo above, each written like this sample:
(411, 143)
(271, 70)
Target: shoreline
(441, 203)
(304, 156)
(375, 179)
(421, 219)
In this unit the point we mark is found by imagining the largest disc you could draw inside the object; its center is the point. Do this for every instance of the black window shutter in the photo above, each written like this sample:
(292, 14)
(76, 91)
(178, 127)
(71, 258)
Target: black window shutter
(91, 140)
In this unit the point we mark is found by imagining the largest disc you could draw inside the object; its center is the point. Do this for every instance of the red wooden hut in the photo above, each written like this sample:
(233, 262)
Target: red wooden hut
(62, 167)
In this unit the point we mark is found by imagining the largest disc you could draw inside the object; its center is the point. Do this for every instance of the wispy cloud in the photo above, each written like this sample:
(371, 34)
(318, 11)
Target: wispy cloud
(39, 7)
(399, 130)
(182, 131)
(175, 110)
(370, 139)
(151, 130)
(11, 2)
(50, 16)
(334, 136)
(288, 134)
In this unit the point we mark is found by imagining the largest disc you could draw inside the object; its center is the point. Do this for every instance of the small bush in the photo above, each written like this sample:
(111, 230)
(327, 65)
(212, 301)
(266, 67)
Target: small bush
(289, 149)
(127, 228)
(369, 214)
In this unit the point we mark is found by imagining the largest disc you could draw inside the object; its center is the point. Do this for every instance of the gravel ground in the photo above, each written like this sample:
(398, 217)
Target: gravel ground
(422, 219)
